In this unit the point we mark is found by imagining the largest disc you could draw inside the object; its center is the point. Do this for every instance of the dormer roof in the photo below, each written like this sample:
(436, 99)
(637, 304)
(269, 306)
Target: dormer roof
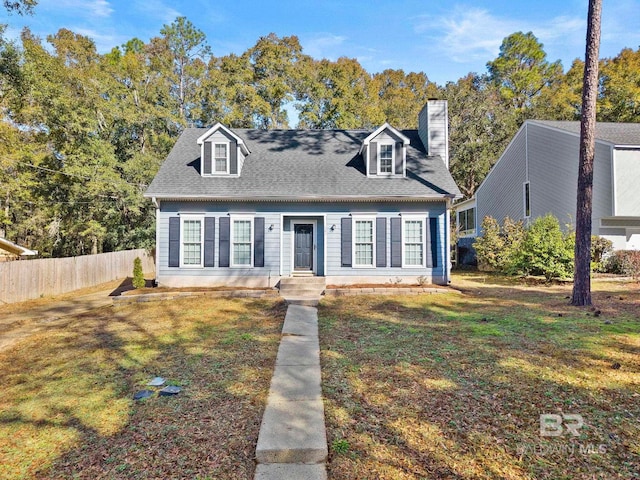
(219, 126)
(405, 140)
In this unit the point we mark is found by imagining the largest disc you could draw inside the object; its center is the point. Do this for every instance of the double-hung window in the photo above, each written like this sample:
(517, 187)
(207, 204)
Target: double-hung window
(192, 241)
(221, 158)
(242, 242)
(413, 242)
(467, 221)
(363, 242)
(385, 159)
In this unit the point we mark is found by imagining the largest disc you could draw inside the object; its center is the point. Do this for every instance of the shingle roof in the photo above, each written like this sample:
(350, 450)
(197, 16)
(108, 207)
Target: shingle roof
(299, 163)
(615, 133)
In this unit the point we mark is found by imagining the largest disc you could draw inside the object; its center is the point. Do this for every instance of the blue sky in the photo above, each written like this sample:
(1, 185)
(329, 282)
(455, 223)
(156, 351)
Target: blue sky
(445, 39)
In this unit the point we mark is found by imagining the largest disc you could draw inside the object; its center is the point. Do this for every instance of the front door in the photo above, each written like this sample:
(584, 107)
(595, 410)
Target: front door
(303, 246)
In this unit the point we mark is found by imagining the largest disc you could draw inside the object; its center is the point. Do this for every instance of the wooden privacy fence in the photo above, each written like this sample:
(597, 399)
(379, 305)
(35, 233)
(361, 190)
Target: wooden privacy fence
(26, 279)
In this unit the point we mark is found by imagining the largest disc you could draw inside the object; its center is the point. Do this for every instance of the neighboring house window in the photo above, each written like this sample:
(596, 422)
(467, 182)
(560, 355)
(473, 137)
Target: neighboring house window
(467, 221)
(192, 240)
(527, 200)
(363, 242)
(221, 157)
(385, 159)
(413, 238)
(241, 242)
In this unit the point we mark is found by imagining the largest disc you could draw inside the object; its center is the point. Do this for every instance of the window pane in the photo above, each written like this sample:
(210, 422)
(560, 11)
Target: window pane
(191, 252)
(221, 150)
(413, 231)
(242, 231)
(386, 151)
(364, 254)
(364, 231)
(191, 231)
(221, 164)
(413, 254)
(241, 254)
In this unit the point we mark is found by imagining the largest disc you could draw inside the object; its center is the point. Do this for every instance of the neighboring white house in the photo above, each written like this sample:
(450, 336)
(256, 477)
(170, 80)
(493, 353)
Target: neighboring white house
(538, 174)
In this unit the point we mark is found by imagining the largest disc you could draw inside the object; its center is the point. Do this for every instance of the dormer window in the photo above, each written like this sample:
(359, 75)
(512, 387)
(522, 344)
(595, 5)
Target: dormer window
(385, 152)
(386, 159)
(222, 152)
(221, 157)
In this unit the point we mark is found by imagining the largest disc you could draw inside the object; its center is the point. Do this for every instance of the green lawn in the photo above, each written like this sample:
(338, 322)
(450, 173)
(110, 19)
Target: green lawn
(66, 409)
(453, 385)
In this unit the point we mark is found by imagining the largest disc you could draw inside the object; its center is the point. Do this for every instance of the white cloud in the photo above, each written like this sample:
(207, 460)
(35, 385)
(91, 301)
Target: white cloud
(468, 34)
(81, 8)
(104, 41)
(323, 45)
(157, 9)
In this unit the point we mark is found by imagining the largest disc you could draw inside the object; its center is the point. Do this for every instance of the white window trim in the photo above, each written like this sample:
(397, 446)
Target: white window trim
(463, 232)
(393, 157)
(524, 199)
(372, 219)
(422, 219)
(213, 158)
(234, 218)
(182, 220)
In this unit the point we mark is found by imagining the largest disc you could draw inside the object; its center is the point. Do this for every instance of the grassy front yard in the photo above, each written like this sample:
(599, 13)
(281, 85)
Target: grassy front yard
(66, 409)
(453, 386)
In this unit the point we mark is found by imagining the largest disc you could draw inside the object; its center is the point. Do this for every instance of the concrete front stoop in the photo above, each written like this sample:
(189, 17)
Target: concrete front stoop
(292, 443)
(302, 290)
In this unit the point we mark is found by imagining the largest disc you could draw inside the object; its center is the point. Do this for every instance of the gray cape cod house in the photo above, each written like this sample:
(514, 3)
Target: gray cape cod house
(249, 207)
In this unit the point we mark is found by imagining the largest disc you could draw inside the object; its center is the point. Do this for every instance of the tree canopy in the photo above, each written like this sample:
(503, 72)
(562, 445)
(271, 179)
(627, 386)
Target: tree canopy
(83, 133)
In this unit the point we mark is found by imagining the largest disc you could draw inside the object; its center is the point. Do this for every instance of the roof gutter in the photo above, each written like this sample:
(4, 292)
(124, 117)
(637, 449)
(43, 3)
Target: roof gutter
(310, 198)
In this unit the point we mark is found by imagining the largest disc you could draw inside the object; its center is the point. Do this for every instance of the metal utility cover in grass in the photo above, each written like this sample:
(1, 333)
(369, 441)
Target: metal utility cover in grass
(156, 382)
(170, 390)
(143, 394)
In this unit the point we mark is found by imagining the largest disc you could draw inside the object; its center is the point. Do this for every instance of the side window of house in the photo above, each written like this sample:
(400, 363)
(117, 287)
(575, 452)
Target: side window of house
(527, 200)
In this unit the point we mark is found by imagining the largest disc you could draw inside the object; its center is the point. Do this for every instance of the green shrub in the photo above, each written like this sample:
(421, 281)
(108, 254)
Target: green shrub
(138, 276)
(545, 250)
(625, 262)
(490, 246)
(601, 248)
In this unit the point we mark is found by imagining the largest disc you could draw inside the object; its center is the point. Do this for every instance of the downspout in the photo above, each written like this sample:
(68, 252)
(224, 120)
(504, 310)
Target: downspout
(156, 203)
(447, 237)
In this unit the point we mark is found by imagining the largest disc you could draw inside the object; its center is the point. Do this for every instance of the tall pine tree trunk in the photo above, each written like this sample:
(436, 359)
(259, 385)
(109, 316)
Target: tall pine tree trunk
(582, 273)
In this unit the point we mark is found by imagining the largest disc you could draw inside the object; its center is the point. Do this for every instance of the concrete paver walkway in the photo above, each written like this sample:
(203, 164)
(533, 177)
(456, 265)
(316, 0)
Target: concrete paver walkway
(292, 443)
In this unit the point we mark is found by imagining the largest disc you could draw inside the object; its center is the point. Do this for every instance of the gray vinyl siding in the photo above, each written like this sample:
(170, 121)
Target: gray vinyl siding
(553, 175)
(273, 213)
(433, 128)
(547, 158)
(627, 182)
(501, 194)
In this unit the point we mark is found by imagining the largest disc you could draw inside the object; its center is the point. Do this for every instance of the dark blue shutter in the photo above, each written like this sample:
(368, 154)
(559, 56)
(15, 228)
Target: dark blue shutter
(432, 242)
(206, 161)
(396, 242)
(398, 166)
(381, 242)
(225, 238)
(209, 241)
(373, 158)
(346, 246)
(258, 242)
(233, 158)
(174, 241)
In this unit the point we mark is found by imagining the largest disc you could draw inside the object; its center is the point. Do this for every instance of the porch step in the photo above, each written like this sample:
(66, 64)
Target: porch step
(302, 290)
